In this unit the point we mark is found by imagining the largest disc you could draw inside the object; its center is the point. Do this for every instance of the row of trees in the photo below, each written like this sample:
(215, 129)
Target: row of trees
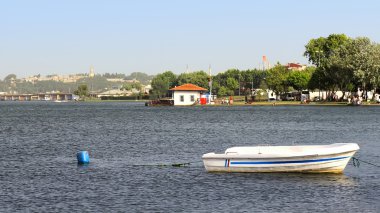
(341, 63)
(237, 82)
(344, 63)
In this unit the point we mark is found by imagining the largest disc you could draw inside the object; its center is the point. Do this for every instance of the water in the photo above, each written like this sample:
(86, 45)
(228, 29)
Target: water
(39, 171)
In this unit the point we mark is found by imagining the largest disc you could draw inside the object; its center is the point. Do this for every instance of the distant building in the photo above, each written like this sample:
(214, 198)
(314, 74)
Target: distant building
(121, 80)
(187, 94)
(57, 78)
(295, 66)
(147, 88)
(115, 93)
(92, 72)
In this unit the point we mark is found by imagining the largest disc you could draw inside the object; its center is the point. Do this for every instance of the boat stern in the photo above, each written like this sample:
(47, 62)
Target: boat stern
(214, 164)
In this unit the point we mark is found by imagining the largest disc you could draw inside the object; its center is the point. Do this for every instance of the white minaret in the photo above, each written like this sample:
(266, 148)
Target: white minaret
(92, 73)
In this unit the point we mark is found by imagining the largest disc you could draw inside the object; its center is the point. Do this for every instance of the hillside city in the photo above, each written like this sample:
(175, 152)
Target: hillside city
(98, 84)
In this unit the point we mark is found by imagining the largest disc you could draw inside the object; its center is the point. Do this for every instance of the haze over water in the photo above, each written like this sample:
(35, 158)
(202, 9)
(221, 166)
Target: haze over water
(39, 171)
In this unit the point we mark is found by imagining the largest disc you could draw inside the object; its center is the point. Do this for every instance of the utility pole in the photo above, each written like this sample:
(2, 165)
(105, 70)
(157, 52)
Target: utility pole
(210, 82)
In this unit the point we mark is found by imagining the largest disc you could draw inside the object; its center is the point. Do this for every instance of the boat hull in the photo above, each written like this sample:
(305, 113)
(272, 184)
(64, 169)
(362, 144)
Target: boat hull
(334, 163)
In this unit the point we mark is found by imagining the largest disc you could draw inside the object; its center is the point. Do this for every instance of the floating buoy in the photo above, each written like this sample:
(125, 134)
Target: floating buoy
(83, 157)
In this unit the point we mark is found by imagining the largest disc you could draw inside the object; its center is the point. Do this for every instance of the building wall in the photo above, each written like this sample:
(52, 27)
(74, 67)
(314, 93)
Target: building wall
(186, 97)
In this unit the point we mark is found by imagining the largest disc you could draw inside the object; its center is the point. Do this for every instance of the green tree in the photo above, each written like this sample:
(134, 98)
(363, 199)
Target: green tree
(321, 52)
(223, 91)
(362, 61)
(376, 58)
(355, 62)
(162, 83)
(299, 79)
(130, 86)
(220, 80)
(277, 79)
(232, 85)
(199, 78)
(82, 91)
(336, 73)
(252, 78)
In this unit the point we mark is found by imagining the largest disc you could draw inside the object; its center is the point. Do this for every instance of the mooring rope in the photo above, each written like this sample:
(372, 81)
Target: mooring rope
(356, 162)
(169, 164)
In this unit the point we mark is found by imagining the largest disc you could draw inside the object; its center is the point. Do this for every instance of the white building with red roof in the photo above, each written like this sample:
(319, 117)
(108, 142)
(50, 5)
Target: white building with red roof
(295, 66)
(187, 94)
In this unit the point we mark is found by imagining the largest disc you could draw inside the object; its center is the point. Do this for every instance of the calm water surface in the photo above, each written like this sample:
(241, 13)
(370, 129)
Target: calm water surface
(39, 171)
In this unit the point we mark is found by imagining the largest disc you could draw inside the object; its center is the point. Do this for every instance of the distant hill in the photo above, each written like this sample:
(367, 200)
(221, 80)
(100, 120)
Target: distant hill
(143, 78)
(98, 83)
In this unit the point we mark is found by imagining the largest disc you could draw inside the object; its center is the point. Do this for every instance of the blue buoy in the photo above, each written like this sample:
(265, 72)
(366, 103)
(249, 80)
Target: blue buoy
(83, 157)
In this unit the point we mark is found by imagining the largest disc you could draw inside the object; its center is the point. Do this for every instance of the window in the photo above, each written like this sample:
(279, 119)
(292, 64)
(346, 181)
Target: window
(182, 99)
(192, 98)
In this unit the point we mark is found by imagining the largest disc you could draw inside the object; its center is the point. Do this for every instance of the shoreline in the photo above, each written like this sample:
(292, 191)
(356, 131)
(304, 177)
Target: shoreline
(292, 103)
(240, 103)
(281, 103)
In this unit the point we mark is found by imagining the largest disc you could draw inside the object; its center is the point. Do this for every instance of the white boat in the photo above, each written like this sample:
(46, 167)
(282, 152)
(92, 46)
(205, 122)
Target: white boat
(331, 158)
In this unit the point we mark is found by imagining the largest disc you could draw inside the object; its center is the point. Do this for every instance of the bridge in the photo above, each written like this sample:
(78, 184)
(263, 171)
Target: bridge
(38, 97)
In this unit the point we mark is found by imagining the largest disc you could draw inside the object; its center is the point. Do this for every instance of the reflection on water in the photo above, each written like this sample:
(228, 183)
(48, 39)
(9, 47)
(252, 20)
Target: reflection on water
(39, 170)
(306, 178)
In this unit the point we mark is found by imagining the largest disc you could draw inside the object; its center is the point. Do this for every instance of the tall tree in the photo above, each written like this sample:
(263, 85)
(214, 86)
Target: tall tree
(362, 60)
(199, 78)
(320, 49)
(162, 83)
(82, 91)
(376, 79)
(232, 85)
(320, 52)
(252, 78)
(299, 79)
(277, 79)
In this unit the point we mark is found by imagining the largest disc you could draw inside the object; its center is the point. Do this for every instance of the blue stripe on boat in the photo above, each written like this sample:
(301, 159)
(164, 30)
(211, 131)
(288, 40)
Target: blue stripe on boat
(288, 162)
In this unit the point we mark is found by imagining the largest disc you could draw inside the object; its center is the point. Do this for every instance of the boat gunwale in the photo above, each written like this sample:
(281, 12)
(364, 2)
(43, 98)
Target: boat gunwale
(249, 157)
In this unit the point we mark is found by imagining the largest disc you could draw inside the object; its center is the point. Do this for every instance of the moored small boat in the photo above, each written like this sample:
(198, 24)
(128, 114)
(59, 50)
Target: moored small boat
(331, 158)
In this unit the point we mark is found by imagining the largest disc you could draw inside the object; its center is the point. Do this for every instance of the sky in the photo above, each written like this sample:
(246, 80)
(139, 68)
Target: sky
(152, 36)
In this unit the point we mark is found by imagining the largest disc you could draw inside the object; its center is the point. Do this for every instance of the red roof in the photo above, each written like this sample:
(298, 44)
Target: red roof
(294, 65)
(188, 87)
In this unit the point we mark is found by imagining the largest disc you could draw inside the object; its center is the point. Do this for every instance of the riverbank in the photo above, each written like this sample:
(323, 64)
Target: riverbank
(291, 103)
(297, 103)
(256, 103)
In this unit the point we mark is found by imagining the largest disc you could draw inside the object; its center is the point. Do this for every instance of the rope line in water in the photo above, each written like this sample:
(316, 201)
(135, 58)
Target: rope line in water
(169, 165)
(356, 162)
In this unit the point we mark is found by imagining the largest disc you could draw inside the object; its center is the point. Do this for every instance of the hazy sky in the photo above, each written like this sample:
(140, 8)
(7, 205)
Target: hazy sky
(151, 36)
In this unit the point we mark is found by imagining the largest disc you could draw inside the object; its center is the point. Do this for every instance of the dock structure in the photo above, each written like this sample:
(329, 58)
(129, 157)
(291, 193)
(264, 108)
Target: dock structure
(38, 97)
